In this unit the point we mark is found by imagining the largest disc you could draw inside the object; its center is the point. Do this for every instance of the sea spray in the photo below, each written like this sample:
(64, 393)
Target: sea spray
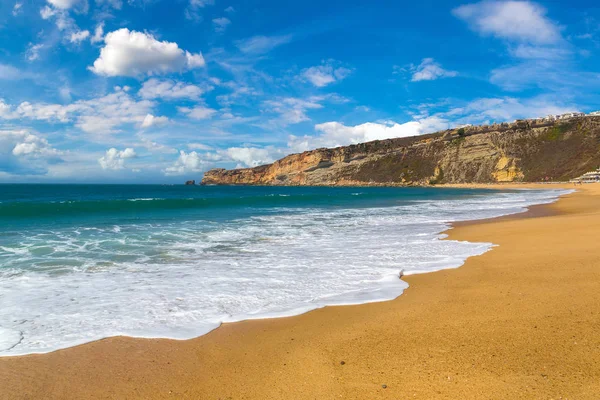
(83, 263)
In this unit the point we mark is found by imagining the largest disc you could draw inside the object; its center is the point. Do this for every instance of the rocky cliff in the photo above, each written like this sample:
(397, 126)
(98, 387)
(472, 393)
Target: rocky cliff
(524, 151)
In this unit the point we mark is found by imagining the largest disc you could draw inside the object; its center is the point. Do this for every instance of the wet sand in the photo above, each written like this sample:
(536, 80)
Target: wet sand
(521, 321)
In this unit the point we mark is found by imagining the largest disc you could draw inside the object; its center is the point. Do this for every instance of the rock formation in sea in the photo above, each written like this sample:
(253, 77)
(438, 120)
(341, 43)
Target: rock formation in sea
(192, 182)
(523, 151)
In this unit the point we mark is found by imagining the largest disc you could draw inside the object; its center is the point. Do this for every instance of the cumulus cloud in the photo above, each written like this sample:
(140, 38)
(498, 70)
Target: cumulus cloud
(334, 134)
(323, 75)
(430, 70)
(262, 44)
(171, 90)
(513, 20)
(198, 112)
(115, 159)
(150, 120)
(250, 156)
(221, 24)
(24, 152)
(135, 54)
(186, 163)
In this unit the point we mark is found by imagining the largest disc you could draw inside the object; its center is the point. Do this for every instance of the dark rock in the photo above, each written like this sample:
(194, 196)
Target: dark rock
(342, 362)
(190, 182)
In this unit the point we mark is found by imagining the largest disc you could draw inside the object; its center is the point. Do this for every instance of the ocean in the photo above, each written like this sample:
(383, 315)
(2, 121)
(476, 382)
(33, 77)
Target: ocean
(84, 262)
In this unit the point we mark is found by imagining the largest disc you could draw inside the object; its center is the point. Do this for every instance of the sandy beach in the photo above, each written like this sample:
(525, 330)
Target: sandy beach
(519, 322)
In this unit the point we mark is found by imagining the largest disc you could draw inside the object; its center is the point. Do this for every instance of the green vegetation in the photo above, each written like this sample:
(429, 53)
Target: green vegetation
(461, 132)
(557, 131)
(457, 141)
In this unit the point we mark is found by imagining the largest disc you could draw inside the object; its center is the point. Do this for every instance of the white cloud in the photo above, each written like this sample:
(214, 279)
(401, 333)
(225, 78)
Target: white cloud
(60, 11)
(150, 120)
(523, 21)
(194, 60)
(47, 12)
(198, 112)
(539, 52)
(334, 134)
(479, 111)
(67, 4)
(170, 89)
(134, 54)
(487, 110)
(430, 70)
(245, 157)
(221, 24)
(28, 144)
(293, 110)
(100, 115)
(8, 72)
(199, 146)
(323, 75)
(116, 4)
(79, 36)
(24, 152)
(262, 44)
(250, 156)
(186, 163)
(17, 8)
(65, 93)
(192, 11)
(548, 74)
(115, 159)
(230, 9)
(155, 147)
(98, 33)
(33, 51)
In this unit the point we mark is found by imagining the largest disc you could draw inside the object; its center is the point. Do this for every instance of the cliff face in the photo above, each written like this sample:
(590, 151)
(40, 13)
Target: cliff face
(525, 151)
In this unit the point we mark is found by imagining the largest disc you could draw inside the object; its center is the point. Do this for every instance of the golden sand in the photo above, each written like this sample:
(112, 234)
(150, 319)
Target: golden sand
(521, 321)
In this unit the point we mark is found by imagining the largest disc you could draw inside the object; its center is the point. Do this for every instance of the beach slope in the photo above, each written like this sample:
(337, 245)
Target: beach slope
(521, 321)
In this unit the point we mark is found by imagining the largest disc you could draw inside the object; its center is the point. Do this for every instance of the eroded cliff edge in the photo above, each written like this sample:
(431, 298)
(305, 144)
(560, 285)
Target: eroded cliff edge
(524, 151)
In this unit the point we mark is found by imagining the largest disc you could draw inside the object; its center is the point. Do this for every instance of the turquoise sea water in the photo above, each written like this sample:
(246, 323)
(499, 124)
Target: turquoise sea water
(83, 262)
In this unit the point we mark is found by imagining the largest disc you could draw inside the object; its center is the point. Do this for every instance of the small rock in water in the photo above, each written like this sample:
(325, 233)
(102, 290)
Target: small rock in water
(342, 362)
(384, 386)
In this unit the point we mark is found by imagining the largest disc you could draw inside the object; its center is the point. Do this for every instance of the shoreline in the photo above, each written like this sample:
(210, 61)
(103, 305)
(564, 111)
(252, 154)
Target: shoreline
(529, 211)
(226, 344)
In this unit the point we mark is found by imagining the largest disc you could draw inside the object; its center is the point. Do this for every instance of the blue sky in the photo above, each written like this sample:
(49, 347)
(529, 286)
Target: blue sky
(153, 91)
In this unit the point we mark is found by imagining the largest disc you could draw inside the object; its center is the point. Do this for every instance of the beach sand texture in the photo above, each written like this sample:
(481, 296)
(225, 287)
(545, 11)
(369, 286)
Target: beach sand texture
(519, 322)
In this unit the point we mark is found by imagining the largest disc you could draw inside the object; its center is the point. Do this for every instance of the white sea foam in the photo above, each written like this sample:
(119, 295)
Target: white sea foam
(181, 280)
